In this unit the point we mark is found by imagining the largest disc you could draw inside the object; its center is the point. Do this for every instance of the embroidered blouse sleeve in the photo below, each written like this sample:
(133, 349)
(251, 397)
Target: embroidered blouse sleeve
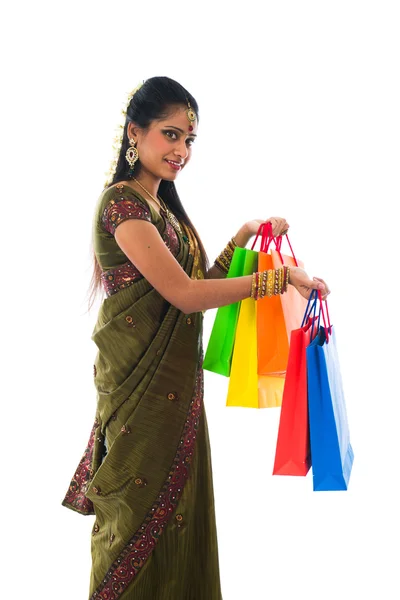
(121, 208)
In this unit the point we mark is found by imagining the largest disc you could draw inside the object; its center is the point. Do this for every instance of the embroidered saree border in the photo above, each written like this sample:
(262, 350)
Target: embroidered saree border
(75, 497)
(139, 548)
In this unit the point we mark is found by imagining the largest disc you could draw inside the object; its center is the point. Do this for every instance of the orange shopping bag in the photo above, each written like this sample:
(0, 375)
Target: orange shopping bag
(278, 315)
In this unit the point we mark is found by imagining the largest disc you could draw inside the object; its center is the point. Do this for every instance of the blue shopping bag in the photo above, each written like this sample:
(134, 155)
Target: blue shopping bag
(331, 451)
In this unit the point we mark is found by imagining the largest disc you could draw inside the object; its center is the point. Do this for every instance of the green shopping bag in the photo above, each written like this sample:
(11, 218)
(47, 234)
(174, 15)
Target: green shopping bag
(218, 356)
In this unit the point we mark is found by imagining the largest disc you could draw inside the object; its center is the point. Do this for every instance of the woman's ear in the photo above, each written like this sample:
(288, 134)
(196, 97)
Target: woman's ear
(132, 131)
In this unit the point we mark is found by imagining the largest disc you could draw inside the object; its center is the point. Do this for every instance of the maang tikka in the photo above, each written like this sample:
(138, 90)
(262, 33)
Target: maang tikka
(191, 115)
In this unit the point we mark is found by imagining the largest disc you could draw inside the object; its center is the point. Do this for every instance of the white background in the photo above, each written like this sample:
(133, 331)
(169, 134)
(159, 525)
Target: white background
(299, 117)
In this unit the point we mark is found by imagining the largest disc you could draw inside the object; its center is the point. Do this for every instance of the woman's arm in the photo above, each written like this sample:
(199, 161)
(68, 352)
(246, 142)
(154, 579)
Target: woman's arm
(142, 244)
(214, 273)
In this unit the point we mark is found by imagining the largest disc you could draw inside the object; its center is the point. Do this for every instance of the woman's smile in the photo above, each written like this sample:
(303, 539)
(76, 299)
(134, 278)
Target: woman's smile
(174, 165)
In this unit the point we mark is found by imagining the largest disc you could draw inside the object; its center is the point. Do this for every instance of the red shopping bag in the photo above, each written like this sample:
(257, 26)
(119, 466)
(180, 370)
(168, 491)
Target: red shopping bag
(292, 456)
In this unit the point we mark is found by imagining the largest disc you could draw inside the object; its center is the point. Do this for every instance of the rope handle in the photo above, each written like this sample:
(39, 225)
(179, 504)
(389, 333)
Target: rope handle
(265, 230)
(311, 307)
(323, 307)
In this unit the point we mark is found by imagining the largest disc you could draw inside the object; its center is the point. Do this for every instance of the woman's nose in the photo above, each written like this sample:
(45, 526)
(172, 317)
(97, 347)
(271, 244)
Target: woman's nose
(182, 149)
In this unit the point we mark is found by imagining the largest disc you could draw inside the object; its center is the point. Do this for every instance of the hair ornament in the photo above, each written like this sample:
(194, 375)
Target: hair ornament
(191, 115)
(119, 134)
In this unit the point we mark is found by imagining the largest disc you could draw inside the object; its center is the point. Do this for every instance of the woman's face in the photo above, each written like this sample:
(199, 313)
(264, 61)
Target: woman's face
(166, 140)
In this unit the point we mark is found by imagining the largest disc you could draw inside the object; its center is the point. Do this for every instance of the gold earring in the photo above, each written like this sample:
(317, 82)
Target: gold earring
(131, 156)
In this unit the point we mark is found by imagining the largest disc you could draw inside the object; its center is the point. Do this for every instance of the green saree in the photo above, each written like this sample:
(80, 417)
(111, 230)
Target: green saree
(146, 473)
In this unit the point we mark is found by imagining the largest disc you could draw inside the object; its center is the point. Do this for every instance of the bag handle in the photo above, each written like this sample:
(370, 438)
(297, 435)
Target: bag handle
(309, 309)
(279, 240)
(267, 237)
(323, 307)
(266, 225)
(265, 230)
(278, 244)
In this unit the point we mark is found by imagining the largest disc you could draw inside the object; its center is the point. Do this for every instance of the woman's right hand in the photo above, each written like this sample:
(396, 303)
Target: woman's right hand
(304, 285)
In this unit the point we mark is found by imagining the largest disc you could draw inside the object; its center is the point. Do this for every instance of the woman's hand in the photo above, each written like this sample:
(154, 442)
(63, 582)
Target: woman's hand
(279, 227)
(304, 285)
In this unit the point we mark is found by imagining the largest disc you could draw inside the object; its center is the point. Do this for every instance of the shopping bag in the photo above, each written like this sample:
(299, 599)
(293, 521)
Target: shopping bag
(277, 315)
(293, 303)
(270, 391)
(331, 451)
(243, 381)
(246, 388)
(292, 455)
(272, 339)
(218, 356)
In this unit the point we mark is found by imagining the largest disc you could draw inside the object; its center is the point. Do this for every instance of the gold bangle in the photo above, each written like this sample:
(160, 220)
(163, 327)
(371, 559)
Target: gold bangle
(276, 279)
(253, 286)
(223, 261)
(266, 274)
(221, 267)
(261, 284)
(270, 282)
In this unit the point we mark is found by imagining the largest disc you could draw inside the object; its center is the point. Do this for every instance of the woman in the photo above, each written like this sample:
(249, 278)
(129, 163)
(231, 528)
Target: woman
(146, 472)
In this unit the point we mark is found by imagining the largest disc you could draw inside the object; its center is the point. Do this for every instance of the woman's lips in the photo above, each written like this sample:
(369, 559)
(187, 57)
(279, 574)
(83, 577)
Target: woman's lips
(173, 165)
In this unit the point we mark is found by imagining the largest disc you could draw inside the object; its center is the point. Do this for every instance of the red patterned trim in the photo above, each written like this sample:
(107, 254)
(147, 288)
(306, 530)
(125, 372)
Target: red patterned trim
(170, 237)
(119, 278)
(75, 497)
(132, 558)
(122, 209)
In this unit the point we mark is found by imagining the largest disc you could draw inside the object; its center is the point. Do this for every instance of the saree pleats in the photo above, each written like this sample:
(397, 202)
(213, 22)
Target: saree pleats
(146, 473)
(184, 565)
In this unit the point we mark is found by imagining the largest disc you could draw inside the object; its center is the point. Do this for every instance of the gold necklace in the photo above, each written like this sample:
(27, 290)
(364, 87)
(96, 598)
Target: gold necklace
(151, 196)
(171, 217)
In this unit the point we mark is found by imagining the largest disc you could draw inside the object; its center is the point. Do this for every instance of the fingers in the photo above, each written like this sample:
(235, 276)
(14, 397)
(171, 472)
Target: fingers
(316, 285)
(279, 226)
(325, 291)
(305, 285)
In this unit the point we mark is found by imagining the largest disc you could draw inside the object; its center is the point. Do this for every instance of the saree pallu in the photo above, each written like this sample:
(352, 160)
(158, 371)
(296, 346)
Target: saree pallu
(146, 473)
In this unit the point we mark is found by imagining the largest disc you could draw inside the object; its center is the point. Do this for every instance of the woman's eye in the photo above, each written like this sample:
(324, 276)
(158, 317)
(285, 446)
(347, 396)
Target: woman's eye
(168, 133)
